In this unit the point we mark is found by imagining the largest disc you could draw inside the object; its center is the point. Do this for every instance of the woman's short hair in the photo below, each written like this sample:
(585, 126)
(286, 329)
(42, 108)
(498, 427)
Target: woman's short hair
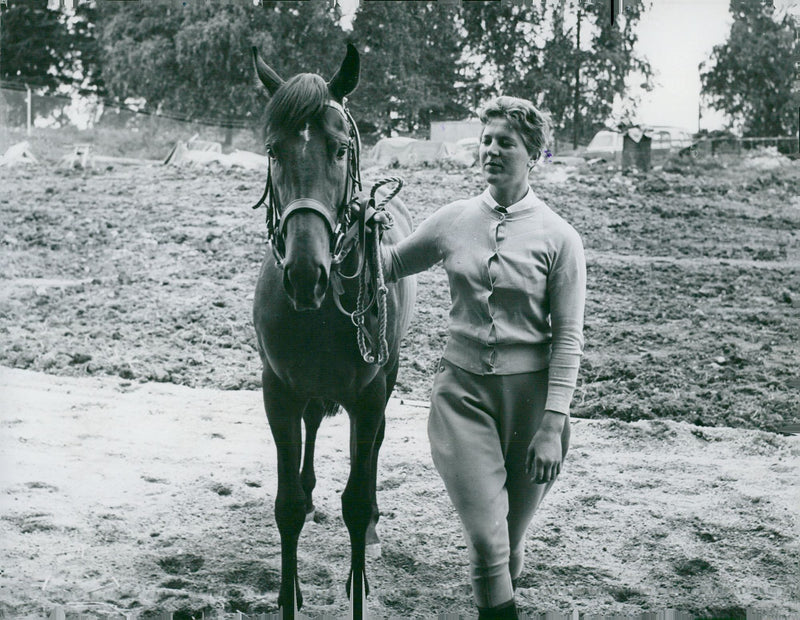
(533, 125)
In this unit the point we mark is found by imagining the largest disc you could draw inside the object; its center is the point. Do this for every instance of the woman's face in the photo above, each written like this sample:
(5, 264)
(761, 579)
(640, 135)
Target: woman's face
(502, 154)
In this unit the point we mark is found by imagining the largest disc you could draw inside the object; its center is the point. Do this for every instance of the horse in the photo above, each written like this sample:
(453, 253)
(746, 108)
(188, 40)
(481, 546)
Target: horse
(313, 317)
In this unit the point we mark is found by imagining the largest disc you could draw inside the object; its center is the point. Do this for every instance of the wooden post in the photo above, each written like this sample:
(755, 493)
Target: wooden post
(29, 98)
(577, 94)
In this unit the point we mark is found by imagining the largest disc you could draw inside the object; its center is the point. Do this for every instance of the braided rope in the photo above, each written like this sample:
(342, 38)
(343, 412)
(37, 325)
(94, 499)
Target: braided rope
(375, 352)
(382, 290)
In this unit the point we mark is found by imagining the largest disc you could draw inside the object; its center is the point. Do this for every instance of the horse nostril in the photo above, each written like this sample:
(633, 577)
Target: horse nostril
(287, 283)
(322, 281)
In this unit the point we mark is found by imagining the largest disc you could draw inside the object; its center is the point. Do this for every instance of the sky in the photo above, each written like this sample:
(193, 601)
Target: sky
(675, 36)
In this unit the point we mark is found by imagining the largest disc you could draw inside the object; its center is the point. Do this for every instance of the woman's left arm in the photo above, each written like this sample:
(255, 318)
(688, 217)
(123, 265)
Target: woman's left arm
(566, 289)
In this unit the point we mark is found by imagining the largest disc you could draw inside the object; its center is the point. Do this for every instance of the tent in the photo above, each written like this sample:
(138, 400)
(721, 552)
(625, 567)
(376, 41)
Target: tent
(184, 154)
(19, 155)
(408, 151)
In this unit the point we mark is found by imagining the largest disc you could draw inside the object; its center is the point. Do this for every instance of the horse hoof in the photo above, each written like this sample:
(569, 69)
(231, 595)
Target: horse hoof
(373, 551)
(310, 515)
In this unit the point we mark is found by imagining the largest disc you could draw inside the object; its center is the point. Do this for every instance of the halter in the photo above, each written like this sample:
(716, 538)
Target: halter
(337, 225)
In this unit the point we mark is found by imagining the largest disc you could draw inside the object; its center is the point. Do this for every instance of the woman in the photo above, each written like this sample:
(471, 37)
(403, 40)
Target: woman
(499, 419)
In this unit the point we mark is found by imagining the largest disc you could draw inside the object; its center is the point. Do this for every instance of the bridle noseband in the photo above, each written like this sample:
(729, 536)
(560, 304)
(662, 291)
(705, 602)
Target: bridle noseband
(338, 224)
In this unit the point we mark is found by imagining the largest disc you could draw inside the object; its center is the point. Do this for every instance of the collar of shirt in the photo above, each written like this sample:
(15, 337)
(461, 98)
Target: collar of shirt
(528, 201)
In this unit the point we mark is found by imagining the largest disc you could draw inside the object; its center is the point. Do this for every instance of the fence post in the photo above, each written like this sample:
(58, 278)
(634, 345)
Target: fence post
(28, 88)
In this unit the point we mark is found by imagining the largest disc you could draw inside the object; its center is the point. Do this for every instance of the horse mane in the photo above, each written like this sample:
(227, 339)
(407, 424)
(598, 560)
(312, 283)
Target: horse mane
(298, 100)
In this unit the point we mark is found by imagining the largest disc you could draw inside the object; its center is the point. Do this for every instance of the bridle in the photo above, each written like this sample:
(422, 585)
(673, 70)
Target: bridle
(338, 225)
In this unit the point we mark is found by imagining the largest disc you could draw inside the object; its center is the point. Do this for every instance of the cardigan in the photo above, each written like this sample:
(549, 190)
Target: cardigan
(517, 287)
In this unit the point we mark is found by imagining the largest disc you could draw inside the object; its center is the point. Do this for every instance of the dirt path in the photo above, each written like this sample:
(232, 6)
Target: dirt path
(117, 496)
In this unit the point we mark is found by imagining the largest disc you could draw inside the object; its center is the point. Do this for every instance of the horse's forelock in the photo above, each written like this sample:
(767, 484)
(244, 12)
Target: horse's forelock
(296, 102)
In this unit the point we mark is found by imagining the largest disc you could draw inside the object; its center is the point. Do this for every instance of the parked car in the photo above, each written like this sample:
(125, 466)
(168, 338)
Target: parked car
(606, 145)
(666, 141)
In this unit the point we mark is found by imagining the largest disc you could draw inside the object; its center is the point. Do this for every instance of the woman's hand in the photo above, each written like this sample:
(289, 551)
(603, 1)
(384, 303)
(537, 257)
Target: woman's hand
(543, 463)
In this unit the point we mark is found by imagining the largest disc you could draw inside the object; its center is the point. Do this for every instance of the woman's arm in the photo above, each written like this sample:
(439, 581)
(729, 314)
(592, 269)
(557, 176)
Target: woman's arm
(566, 288)
(419, 251)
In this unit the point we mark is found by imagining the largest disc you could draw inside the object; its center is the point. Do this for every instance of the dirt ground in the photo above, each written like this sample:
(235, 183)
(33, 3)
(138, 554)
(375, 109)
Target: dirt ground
(120, 496)
(693, 308)
(137, 466)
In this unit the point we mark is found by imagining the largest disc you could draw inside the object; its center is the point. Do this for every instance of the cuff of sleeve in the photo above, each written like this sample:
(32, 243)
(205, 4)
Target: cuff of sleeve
(559, 399)
(388, 263)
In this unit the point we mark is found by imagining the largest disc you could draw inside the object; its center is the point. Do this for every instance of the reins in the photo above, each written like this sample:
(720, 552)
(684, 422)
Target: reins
(347, 235)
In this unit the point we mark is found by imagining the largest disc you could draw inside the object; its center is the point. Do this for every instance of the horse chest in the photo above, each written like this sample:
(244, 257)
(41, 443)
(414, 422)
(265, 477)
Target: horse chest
(315, 353)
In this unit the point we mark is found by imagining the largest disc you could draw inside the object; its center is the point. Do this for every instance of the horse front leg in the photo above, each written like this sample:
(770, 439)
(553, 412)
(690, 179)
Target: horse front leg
(373, 550)
(312, 417)
(284, 413)
(366, 420)
(373, 541)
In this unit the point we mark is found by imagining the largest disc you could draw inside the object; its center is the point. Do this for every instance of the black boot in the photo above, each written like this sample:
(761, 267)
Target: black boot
(506, 611)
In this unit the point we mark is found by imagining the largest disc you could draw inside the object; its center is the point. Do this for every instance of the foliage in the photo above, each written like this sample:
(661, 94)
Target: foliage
(750, 75)
(409, 64)
(421, 61)
(36, 46)
(534, 54)
(610, 61)
(196, 60)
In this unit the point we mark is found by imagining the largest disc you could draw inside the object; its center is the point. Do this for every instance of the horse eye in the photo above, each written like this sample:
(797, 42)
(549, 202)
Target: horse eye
(270, 151)
(341, 152)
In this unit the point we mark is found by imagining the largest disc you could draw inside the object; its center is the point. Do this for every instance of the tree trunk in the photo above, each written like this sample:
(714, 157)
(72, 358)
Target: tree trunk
(577, 93)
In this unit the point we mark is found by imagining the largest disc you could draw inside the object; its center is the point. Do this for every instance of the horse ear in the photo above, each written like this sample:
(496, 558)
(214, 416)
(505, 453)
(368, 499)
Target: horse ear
(346, 78)
(268, 77)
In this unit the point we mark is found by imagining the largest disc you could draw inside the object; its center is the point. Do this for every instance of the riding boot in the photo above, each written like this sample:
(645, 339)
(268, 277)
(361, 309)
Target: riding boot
(506, 611)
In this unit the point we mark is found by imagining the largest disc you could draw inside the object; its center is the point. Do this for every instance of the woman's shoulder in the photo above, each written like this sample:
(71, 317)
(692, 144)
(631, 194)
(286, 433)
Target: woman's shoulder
(458, 209)
(559, 227)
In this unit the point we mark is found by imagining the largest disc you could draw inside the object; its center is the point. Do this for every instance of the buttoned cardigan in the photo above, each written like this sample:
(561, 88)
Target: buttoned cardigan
(517, 287)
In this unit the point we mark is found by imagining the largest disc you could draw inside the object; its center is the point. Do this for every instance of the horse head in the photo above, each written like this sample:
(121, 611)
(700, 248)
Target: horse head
(311, 142)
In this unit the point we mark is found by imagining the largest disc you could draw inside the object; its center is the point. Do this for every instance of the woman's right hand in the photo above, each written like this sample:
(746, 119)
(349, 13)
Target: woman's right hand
(545, 454)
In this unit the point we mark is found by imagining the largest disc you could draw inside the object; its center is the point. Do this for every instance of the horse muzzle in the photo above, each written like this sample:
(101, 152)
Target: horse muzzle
(307, 262)
(305, 285)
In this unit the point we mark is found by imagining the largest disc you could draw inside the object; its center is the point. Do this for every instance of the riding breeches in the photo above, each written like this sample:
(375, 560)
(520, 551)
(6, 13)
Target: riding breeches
(480, 428)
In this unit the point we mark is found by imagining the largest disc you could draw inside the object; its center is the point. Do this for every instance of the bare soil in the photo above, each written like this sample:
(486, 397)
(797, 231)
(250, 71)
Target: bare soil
(138, 470)
(120, 496)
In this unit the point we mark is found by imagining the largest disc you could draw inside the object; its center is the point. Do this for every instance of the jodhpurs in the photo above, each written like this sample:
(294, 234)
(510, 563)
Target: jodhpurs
(480, 427)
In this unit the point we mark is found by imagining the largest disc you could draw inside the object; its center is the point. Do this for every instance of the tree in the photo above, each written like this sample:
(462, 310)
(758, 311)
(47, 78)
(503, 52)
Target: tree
(195, 61)
(576, 72)
(610, 61)
(33, 45)
(409, 65)
(84, 51)
(750, 75)
(500, 45)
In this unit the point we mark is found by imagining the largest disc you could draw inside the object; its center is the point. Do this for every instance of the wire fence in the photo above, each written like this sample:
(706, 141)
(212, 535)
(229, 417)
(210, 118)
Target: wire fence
(738, 146)
(113, 128)
(57, 107)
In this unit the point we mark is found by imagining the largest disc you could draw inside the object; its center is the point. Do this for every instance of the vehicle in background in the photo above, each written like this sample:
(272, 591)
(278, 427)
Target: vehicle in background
(606, 145)
(666, 141)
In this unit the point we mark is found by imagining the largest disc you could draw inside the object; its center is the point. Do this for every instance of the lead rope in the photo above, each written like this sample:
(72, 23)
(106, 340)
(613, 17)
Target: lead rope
(372, 352)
